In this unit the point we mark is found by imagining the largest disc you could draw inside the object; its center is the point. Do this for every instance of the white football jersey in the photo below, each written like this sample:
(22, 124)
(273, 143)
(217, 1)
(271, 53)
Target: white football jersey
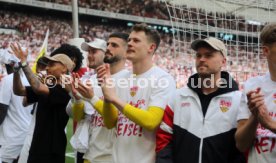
(264, 147)
(17, 122)
(133, 143)
(101, 139)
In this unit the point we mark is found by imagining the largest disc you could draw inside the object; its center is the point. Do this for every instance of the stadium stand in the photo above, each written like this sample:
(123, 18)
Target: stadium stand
(32, 27)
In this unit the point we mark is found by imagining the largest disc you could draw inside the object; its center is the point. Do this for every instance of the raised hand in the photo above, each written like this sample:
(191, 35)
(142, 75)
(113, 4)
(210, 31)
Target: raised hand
(41, 76)
(255, 100)
(19, 52)
(264, 118)
(103, 74)
(81, 90)
(107, 83)
(66, 82)
(258, 108)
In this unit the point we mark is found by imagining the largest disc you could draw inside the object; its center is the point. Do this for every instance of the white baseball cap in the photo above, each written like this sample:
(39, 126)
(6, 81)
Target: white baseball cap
(96, 43)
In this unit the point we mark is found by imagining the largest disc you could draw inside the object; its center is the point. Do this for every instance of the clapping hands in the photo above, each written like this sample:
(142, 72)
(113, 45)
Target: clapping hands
(256, 105)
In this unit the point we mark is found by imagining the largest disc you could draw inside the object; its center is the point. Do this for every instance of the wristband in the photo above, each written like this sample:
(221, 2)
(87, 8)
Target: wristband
(24, 64)
(16, 68)
(73, 99)
(94, 100)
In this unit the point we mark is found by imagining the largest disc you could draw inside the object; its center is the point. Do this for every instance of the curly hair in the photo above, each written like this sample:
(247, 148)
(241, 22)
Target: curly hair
(72, 52)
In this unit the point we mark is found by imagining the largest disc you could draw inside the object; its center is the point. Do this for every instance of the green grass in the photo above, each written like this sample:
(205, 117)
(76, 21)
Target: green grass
(69, 149)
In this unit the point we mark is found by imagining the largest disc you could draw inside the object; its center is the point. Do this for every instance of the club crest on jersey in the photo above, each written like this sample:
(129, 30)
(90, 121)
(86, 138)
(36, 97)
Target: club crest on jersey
(274, 98)
(225, 104)
(133, 90)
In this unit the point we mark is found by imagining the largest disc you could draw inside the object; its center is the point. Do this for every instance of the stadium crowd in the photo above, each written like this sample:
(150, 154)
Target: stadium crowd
(121, 120)
(243, 62)
(158, 10)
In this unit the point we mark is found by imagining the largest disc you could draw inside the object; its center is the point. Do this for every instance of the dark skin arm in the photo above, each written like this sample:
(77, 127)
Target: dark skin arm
(37, 86)
(18, 88)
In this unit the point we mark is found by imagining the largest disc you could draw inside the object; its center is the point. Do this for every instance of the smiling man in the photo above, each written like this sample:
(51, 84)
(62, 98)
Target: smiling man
(96, 50)
(51, 116)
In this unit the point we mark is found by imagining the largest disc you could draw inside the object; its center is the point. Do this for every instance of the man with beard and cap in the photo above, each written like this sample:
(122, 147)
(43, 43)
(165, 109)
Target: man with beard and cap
(100, 138)
(200, 121)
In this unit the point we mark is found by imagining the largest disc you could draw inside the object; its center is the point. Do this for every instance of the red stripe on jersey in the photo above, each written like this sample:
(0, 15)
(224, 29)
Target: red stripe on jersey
(163, 138)
(168, 116)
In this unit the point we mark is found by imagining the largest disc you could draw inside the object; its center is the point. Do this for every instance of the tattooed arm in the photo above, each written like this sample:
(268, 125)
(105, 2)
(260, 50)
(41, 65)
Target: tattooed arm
(36, 85)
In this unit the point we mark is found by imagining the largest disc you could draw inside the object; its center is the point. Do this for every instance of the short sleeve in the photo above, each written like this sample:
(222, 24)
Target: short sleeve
(243, 112)
(32, 97)
(163, 89)
(6, 91)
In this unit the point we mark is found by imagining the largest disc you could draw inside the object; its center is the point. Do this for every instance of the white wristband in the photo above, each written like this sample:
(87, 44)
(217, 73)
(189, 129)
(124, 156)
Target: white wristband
(94, 100)
(72, 97)
(74, 100)
(77, 101)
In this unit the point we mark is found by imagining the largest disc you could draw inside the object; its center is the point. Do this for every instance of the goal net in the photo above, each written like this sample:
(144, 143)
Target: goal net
(236, 22)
